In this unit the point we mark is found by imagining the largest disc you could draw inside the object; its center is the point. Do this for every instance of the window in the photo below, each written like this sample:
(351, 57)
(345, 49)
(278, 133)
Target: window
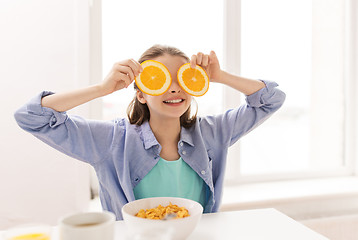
(304, 45)
(301, 45)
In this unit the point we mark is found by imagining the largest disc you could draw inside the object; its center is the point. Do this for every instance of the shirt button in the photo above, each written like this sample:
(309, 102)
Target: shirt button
(181, 144)
(202, 172)
(183, 152)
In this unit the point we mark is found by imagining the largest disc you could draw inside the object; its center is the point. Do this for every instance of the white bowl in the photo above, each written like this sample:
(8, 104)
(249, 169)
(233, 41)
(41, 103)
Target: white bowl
(141, 228)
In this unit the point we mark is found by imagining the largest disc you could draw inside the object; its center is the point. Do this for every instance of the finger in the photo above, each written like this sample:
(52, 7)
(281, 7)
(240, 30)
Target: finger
(126, 70)
(125, 78)
(199, 58)
(128, 82)
(139, 65)
(132, 65)
(213, 57)
(205, 61)
(136, 67)
(193, 61)
(131, 74)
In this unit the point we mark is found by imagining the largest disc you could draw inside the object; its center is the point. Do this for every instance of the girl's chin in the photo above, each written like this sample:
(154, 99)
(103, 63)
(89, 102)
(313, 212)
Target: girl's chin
(173, 116)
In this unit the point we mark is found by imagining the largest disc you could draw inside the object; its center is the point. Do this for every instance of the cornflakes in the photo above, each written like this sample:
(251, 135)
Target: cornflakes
(160, 212)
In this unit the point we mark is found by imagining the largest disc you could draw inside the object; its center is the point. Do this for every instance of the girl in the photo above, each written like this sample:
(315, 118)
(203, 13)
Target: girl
(162, 150)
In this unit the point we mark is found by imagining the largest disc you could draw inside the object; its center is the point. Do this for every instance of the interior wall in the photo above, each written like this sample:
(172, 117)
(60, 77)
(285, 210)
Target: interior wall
(39, 51)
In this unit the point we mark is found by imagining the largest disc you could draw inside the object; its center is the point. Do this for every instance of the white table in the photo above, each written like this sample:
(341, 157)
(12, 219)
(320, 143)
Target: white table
(258, 224)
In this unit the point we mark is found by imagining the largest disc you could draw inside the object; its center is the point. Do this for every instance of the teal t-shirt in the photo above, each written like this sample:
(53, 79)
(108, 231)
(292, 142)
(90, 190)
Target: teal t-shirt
(172, 179)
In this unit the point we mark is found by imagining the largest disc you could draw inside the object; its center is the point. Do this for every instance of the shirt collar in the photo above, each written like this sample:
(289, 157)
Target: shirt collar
(148, 136)
(186, 135)
(150, 140)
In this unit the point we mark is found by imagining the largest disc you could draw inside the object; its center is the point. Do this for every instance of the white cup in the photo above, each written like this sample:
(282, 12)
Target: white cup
(89, 226)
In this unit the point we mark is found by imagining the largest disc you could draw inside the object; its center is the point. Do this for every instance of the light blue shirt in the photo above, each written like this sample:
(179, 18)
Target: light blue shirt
(122, 154)
(172, 179)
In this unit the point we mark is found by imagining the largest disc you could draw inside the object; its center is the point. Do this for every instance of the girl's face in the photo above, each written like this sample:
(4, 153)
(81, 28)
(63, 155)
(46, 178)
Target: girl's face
(174, 102)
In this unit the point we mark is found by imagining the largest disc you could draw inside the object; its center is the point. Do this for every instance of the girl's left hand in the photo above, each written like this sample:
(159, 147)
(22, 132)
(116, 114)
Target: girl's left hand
(209, 63)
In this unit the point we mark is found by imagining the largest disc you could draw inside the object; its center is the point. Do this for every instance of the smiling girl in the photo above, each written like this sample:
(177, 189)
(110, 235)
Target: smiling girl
(163, 149)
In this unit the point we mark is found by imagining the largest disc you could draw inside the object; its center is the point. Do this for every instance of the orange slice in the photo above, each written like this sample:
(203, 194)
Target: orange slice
(32, 236)
(194, 81)
(155, 79)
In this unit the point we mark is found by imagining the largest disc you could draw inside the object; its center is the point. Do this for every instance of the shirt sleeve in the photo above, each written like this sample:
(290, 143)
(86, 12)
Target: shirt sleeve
(83, 139)
(227, 128)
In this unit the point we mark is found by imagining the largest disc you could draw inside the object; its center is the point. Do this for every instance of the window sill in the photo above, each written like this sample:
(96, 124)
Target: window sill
(299, 199)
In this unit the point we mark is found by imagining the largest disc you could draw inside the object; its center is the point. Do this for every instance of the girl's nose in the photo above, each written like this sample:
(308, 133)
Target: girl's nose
(174, 87)
(175, 91)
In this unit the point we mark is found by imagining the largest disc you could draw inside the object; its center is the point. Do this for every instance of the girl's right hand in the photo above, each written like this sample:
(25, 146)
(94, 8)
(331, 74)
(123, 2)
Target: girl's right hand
(121, 76)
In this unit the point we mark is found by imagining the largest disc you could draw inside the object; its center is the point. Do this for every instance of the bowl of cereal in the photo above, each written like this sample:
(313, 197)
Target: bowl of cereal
(161, 218)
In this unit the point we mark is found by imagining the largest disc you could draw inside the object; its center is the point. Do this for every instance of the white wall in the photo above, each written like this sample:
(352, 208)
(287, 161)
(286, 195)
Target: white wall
(40, 49)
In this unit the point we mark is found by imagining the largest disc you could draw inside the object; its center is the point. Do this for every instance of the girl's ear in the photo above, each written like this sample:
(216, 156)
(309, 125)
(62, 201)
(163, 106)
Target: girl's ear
(140, 97)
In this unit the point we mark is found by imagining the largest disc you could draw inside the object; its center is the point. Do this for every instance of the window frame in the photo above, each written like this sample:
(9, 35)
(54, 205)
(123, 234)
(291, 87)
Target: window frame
(351, 78)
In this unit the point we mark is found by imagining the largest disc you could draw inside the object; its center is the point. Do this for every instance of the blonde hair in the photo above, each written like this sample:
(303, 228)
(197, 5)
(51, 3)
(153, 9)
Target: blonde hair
(137, 112)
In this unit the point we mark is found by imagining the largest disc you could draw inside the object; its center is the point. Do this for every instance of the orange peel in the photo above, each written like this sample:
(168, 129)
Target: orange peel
(194, 81)
(155, 79)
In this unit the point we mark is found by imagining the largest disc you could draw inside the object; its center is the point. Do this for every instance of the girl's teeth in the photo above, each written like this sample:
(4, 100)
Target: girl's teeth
(174, 101)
